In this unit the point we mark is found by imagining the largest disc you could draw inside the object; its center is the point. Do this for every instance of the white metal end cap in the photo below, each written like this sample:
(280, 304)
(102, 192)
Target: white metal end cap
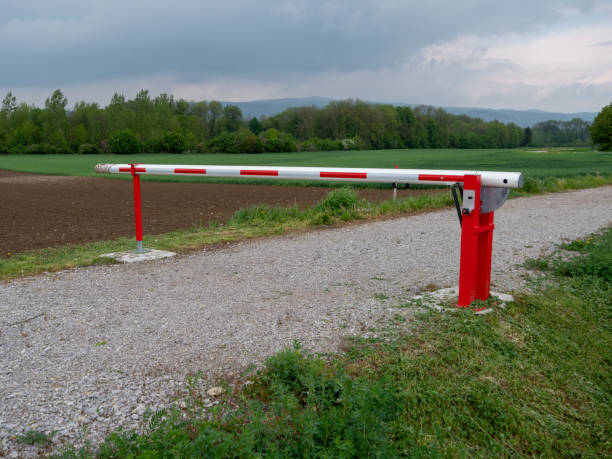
(520, 181)
(103, 168)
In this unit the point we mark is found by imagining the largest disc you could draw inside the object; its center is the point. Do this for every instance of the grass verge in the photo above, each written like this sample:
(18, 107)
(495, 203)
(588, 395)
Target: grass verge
(339, 206)
(553, 185)
(529, 380)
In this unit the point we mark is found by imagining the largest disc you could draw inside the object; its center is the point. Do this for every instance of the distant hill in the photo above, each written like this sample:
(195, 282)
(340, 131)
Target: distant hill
(522, 118)
(271, 107)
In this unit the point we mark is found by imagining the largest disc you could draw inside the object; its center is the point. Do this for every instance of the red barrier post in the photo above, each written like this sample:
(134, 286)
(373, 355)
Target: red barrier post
(476, 246)
(137, 208)
(485, 246)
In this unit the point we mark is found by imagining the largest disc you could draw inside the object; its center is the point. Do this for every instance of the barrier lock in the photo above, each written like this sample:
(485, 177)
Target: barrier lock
(469, 201)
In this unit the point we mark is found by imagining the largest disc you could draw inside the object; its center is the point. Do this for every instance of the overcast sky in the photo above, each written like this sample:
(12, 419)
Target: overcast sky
(545, 54)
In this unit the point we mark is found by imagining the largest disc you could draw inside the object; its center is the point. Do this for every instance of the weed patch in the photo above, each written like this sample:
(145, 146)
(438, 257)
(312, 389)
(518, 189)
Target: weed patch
(36, 438)
(596, 259)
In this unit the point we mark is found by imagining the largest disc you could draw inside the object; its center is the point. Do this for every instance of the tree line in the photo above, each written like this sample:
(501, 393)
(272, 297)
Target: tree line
(163, 124)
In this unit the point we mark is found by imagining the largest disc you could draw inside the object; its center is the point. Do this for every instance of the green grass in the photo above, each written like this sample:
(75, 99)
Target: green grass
(35, 438)
(529, 380)
(556, 163)
(535, 185)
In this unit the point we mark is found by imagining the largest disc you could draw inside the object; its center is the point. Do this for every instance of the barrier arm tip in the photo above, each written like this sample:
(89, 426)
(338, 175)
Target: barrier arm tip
(104, 168)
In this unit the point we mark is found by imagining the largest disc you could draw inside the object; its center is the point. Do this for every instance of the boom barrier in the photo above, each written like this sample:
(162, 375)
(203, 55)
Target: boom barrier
(482, 193)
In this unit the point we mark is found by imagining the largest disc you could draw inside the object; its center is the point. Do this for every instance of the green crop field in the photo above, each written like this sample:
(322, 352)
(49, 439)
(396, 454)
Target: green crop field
(552, 163)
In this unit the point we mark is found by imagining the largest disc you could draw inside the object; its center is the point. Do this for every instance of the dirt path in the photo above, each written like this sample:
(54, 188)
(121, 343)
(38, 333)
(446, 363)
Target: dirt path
(44, 211)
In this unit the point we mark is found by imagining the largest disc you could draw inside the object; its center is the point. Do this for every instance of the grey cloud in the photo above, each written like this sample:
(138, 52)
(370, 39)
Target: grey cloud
(30, 10)
(69, 41)
(569, 98)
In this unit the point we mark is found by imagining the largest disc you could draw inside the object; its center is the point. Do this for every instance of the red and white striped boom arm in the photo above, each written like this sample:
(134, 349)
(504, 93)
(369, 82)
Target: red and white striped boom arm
(422, 176)
(483, 192)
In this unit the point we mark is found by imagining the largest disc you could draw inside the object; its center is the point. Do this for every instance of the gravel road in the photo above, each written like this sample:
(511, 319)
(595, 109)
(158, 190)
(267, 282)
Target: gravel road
(92, 347)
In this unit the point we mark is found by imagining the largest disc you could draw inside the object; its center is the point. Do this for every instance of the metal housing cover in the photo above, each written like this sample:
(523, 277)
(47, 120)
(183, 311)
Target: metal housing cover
(492, 198)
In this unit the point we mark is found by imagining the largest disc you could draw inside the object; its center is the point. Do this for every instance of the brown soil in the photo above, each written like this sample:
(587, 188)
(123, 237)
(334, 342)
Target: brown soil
(38, 211)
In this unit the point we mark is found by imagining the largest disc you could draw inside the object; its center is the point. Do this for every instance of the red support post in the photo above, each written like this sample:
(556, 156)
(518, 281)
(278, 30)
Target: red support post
(137, 208)
(476, 246)
(485, 246)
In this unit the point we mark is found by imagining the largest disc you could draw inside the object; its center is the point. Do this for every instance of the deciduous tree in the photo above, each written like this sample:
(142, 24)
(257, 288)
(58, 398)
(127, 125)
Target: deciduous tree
(9, 103)
(255, 126)
(601, 130)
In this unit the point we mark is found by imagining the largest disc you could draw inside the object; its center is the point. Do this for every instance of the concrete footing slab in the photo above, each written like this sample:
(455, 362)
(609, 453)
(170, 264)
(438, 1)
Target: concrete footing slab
(441, 299)
(135, 257)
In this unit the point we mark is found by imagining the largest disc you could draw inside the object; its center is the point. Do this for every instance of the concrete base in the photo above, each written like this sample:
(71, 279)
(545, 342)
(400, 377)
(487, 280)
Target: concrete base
(440, 299)
(135, 257)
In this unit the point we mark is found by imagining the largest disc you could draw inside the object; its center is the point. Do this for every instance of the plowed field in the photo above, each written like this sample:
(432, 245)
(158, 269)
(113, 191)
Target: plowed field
(38, 211)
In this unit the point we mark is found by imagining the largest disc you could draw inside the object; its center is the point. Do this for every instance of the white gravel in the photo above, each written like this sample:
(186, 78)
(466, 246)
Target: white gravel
(91, 348)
